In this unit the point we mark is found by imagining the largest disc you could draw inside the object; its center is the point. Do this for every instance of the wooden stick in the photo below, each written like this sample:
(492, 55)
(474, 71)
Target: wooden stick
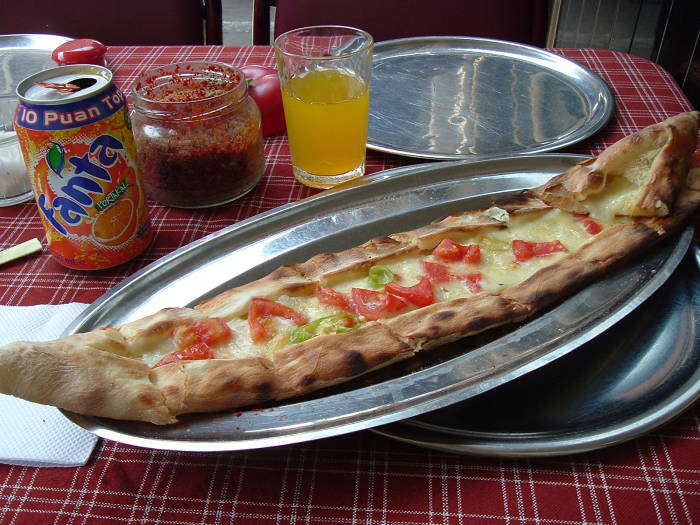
(20, 250)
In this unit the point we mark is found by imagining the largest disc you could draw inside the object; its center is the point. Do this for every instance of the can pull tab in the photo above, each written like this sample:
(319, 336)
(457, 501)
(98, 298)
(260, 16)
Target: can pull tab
(68, 87)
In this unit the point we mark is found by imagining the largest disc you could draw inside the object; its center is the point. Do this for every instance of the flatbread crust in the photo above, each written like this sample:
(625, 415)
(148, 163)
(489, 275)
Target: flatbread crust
(213, 384)
(103, 372)
(82, 375)
(330, 359)
(448, 321)
(653, 160)
(573, 272)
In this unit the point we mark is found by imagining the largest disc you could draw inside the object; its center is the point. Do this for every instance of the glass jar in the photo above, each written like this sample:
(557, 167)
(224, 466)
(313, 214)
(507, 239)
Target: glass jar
(198, 134)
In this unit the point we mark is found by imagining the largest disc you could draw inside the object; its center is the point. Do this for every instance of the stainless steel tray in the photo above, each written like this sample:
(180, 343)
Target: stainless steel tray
(631, 379)
(392, 201)
(24, 55)
(471, 98)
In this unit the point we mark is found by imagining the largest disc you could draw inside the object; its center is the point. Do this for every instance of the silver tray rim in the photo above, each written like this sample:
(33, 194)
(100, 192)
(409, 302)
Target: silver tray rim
(370, 415)
(594, 124)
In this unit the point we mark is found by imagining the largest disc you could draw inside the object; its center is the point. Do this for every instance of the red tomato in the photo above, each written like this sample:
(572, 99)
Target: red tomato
(261, 310)
(80, 51)
(373, 305)
(193, 341)
(472, 254)
(264, 88)
(437, 273)
(472, 281)
(592, 227)
(448, 250)
(211, 331)
(524, 250)
(333, 298)
(191, 353)
(420, 294)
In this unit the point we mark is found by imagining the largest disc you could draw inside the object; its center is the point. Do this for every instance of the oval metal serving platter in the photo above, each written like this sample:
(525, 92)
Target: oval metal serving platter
(637, 375)
(472, 98)
(391, 201)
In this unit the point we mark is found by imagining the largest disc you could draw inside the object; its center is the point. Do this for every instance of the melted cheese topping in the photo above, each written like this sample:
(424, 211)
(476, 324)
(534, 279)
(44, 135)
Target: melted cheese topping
(619, 197)
(156, 353)
(498, 266)
(498, 269)
(242, 345)
(623, 188)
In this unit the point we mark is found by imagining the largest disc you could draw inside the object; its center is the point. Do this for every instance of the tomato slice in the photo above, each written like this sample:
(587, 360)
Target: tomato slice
(472, 254)
(524, 250)
(420, 294)
(193, 352)
(193, 341)
(333, 298)
(373, 304)
(448, 250)
(261, 311)
(210, 331)
(591, 226)
(472, 281)
(437, 273)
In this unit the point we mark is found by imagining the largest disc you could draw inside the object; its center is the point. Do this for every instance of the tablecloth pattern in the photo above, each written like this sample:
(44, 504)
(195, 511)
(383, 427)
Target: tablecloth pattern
(360, 477)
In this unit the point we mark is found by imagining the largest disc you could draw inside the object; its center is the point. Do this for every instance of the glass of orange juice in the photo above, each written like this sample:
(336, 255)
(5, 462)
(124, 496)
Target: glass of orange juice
(325, 74)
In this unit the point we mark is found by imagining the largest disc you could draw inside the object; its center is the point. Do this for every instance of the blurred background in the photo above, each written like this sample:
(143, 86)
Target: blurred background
(237, 22)
(664, 31)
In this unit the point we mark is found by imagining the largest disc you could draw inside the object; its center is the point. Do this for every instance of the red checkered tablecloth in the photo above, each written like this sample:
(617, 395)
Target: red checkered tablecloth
(360, 477)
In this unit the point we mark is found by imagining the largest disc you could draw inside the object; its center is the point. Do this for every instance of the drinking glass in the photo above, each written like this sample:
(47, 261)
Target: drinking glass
(325, 75)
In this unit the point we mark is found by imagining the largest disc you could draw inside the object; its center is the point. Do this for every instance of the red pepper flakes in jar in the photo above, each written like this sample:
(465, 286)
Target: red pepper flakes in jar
(198, 134)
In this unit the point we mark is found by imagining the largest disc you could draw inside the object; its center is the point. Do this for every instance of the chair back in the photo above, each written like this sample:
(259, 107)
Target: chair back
(118, 22)
(523, 21)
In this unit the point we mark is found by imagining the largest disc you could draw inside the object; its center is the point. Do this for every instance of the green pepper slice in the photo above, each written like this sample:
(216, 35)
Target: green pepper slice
(332, 324)
(378, 276)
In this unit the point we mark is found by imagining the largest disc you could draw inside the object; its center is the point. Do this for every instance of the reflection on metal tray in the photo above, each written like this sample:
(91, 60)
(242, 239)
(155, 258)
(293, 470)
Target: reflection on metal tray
(387, 202)
(471, 98)
(636, 376)
(24, 55)
(20, 56)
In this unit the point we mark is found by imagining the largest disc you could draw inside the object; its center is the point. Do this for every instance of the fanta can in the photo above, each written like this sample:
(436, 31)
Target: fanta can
(73, 128)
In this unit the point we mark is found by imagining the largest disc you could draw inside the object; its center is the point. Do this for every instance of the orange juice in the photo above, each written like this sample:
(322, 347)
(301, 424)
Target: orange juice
(326, 112)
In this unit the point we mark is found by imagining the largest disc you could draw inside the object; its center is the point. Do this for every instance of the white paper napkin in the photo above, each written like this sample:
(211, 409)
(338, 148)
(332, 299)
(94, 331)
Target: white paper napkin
(32, 434)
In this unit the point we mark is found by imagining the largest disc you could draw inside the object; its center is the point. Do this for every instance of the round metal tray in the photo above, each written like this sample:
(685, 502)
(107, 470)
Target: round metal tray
(471, 98)
(24, 55)
(20, 56)
(634, 377)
